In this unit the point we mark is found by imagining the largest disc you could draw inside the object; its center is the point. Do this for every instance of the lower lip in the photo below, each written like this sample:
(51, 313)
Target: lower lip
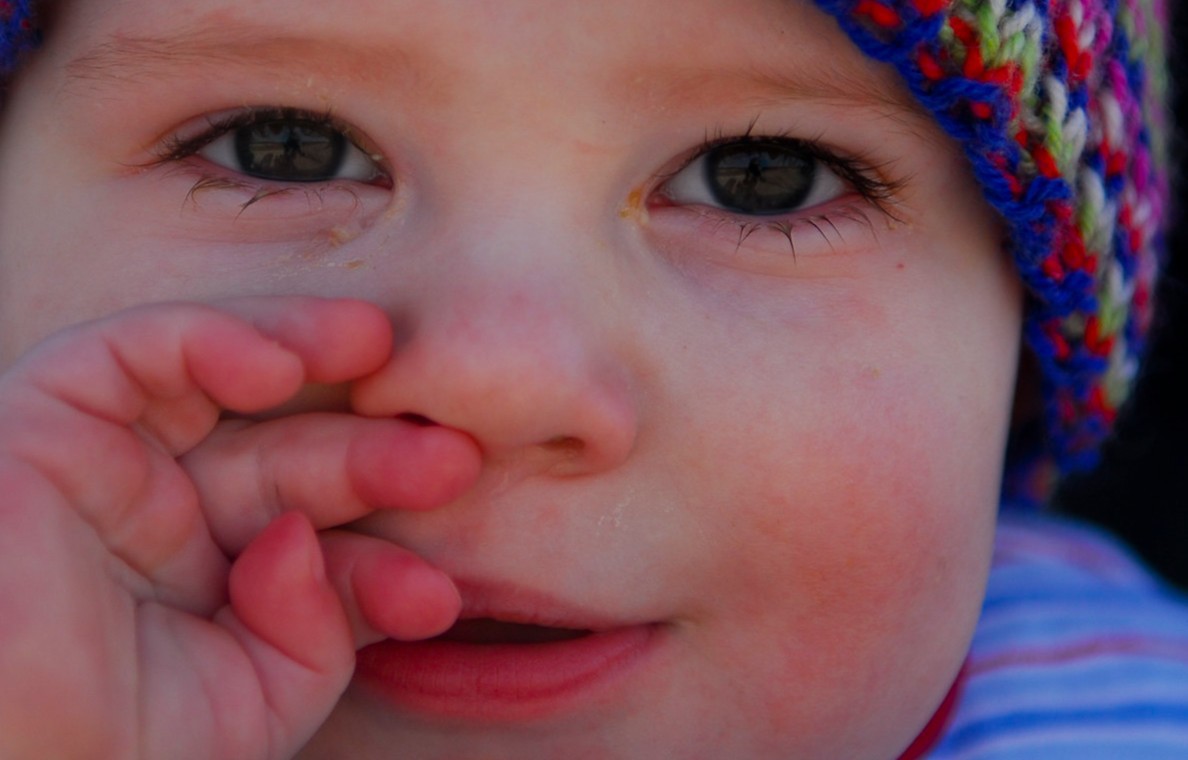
(501, 681)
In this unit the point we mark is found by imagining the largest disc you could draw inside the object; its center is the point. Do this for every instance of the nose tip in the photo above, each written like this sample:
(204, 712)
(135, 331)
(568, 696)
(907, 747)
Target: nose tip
(524, 379)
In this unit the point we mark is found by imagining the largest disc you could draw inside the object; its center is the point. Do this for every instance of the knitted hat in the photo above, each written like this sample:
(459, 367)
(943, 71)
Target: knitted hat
(17, 33)
(1059, 105)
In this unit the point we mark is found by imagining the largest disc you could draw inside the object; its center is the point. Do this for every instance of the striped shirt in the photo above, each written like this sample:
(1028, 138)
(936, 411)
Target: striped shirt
(1080, 653)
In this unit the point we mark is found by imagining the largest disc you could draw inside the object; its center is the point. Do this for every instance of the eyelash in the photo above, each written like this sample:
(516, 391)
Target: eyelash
(866, 178)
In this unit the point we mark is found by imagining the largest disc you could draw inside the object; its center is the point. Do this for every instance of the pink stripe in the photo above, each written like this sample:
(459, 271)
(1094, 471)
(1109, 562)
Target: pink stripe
(1084, 650)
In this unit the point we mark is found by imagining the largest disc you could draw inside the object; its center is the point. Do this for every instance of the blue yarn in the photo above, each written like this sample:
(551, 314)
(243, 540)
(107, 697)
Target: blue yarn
(17, 36)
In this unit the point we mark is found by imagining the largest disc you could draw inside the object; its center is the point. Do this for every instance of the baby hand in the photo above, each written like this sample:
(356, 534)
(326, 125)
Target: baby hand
(125, 630)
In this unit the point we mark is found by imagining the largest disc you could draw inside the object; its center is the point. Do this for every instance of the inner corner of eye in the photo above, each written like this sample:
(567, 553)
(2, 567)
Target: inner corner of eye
(220, 151)
(686, 185)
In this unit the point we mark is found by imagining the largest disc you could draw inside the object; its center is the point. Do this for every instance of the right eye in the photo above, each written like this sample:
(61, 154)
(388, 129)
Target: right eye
(755, 177)
(286, 147)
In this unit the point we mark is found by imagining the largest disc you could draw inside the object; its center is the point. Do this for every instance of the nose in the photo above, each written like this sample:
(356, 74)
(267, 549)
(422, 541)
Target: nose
(510, 343)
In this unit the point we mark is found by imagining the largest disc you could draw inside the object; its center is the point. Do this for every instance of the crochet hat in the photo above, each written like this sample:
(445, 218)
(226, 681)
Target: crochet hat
(1059, 105)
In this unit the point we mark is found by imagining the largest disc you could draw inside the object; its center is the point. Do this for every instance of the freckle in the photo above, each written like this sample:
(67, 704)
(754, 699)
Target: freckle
(353, 265)
(871, 373)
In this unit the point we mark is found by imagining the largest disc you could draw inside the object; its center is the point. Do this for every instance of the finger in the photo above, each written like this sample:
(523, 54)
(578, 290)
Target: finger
(139, 503)
(280, 592)
(183, 356)
(334, 468)
(295, 630)
(158, 352)
(387, 591)
(98, 408)
(69, 411)
(163, 539)
(261, 681)
(336, 339)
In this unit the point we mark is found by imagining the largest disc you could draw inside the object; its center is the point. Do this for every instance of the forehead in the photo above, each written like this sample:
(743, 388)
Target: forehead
(656, 51)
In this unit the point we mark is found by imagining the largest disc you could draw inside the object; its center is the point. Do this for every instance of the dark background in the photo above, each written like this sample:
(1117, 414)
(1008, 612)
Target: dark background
(1140, 491)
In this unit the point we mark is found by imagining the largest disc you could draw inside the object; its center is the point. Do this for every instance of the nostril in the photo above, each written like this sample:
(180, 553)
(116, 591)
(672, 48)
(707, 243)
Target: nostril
(566, 444)
(419, 420)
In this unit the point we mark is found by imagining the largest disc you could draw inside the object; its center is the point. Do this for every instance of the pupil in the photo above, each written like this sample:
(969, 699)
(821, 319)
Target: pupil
(759, 177)
(290, 150)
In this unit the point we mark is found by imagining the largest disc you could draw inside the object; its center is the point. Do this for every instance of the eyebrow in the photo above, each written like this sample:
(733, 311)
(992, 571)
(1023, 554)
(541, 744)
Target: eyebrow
(769, 84)
(127, 59)
(841, 85)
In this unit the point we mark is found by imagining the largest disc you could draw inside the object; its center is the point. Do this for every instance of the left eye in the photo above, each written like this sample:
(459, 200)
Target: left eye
(755, 177)
(290, 149)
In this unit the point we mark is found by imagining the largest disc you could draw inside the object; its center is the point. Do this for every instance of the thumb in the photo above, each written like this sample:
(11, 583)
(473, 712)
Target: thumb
(294, 629)
(270, 670)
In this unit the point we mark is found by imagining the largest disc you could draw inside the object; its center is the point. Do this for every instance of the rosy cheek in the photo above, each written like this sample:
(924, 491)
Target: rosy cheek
(869, 566)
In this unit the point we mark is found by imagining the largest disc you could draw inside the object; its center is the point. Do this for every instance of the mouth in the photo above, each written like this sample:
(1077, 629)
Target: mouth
(513, 656)
(489, 631)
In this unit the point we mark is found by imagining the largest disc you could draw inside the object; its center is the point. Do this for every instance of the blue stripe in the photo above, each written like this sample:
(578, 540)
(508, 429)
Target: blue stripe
(1122, 693)
(1094, 725)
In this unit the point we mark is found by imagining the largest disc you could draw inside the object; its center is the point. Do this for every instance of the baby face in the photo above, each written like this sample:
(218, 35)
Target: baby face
(723, 310)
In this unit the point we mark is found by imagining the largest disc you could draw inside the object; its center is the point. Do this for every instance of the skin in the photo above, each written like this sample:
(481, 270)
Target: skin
(783, 448)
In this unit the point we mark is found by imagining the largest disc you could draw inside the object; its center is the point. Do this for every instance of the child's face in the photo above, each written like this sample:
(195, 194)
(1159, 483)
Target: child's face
(760, 447)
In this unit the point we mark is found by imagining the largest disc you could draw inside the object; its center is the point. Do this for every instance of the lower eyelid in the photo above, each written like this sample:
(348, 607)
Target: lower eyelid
(846, 224)
(219, 202)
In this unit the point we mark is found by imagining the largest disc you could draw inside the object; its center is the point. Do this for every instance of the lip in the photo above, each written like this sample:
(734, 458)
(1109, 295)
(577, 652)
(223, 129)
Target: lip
(492, 682)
